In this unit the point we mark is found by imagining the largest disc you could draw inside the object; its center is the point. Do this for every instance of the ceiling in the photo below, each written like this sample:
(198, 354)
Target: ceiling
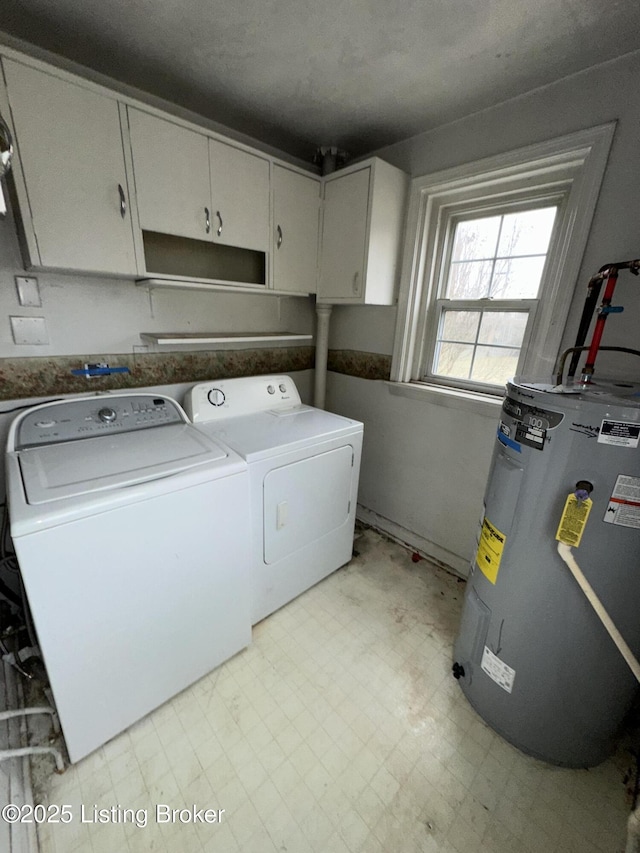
(357, 75)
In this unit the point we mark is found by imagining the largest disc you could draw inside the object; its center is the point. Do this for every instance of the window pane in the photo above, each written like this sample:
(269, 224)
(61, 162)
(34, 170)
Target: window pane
(475, 238)
(453, 360)
(494, 364)
(503, 328)
(527, 232)
(460, 326)
(469, 280)
(517, 278)
(493, 258)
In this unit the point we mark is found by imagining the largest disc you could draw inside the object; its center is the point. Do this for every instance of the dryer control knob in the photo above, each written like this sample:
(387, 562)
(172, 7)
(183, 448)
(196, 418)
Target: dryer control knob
(271, 389)
(108, 416)
(216, 397)
(282, 387)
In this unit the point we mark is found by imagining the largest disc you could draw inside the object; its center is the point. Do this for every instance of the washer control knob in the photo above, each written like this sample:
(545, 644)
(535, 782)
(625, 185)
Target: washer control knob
(216, 397)
(107, 415)
(282, 387)
(271, 389)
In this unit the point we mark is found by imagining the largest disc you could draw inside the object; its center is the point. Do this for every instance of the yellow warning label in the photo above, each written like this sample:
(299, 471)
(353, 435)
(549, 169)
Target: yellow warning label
(573, 520)
(490, 550)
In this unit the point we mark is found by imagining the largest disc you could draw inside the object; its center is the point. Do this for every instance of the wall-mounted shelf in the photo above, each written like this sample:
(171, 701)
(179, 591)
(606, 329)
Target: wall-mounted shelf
(218, 338)
(209, 284)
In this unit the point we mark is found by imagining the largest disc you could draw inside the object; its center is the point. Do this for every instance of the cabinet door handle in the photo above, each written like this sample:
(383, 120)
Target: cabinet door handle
(219, 231)
(356, 282)
(279, 241)
(207, 220)
(123, 202)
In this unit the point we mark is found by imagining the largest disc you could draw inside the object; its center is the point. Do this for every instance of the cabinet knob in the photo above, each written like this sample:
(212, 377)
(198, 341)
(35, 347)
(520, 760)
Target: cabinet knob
(356, 282)
(279, 241)
(207, 220)
(219, 231)
(123, 202)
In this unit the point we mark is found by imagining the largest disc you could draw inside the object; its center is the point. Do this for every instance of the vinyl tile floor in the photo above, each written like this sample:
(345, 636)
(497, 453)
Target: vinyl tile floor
(340, 729)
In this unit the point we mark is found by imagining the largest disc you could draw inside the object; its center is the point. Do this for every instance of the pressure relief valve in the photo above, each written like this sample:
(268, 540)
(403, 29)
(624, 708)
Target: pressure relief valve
(575, 514)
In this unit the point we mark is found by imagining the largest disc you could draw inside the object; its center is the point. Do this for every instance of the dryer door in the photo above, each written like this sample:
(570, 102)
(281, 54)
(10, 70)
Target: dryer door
(306, 500)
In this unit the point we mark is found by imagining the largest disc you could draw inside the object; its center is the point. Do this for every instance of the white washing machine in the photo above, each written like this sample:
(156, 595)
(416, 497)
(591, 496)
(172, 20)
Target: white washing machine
(131, 532)
(304, 465)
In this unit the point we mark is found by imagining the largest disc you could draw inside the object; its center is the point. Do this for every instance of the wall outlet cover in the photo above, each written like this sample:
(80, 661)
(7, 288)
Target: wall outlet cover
(29, 330)
(28, 291)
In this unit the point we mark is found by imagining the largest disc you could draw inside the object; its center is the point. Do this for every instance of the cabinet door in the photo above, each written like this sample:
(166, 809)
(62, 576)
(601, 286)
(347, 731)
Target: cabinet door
(69, 144)
(344, 236)
(239, 197)
(296, 207)
(171, 168)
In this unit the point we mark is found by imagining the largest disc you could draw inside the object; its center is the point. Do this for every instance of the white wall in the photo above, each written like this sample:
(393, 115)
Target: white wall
(424, 466)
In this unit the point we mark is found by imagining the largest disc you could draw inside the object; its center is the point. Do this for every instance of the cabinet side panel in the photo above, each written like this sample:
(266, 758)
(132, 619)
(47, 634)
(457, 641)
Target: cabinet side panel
(385, 235)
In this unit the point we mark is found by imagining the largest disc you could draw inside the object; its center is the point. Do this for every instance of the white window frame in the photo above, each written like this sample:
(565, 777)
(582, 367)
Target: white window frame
(569, 169)
(449, 215)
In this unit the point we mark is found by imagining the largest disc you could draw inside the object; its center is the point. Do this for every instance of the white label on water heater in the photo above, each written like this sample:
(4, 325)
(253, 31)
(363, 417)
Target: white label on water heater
(620, 433)
(497, 669)
(624, 503)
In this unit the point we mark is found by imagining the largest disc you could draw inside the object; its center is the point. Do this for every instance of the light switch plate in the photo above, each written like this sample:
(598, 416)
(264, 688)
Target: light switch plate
(28, 291)
(29, 330)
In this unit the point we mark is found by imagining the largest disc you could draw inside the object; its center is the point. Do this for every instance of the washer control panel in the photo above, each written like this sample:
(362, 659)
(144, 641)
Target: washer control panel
(229, 398)
(68, 420)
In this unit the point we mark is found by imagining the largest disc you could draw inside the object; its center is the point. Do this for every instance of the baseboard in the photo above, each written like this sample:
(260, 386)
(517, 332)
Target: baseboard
(440, 556)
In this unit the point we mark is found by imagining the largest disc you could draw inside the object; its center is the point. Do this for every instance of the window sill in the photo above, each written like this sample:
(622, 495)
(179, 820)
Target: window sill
(453, 398)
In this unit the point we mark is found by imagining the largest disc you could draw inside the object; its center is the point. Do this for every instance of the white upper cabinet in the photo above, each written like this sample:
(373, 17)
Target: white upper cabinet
(171, 168)
(106, 184)
(239, 197)
(70, 173)
(191, 185)
(296, 210)
(344, 236)
(363, 219)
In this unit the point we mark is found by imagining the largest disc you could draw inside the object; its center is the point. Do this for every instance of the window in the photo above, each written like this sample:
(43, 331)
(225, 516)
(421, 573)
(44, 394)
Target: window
(488, 293)
(491, 260)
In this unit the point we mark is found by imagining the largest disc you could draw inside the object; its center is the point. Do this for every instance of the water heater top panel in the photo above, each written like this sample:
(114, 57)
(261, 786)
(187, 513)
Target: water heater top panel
(607, 392)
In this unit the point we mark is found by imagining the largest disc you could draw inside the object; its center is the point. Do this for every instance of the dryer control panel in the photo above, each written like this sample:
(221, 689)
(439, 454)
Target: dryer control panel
(229, 398)
(68, 420)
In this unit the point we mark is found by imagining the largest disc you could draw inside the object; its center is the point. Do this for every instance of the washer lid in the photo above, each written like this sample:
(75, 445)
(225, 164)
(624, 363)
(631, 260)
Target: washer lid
(264, 434)
(57, 471)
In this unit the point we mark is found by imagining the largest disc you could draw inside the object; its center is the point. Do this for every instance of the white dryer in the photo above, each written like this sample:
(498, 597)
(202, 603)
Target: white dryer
(131, 533)
(304, 465)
